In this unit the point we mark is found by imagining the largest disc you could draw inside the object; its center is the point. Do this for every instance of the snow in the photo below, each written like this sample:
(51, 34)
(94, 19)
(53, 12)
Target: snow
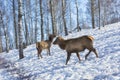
(106, 67)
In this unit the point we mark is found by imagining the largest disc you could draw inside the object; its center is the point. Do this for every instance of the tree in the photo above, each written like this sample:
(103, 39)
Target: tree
(99, 12)
(78, 26)
(0, 39)
(106, 10)
(30, 23)
(70, 16)
(41, 14)
(26, 32)
(5, 30)
(63, 16)
(92, 13)
(20, 29)
(48, 29)
(36, 21)
(0, 44)
(15, 26)
(53, 17)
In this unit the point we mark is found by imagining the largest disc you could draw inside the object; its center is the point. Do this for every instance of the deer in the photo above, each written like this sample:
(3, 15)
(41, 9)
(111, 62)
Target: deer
(76, 45)
(46, 44)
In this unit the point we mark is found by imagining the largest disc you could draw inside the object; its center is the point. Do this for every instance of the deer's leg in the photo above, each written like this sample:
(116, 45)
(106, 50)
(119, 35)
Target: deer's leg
(68, 57)
(87, 54)
(49, 51)
(78, 56)
(39, 53)
(94, 50)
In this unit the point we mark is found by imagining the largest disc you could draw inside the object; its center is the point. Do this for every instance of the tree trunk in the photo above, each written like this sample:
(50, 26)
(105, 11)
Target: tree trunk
(31, 24)
(26, 31)
(54, 27)
(5, 31)
(92, 13)
(104, 15)
(36, 21)
(6, 38)
(32, 32)
(51, 15)
(48, 30)
(20, 29)
(28, 21)
(99, 12)
(70, 16)
(0, 41)
(1, 48)
(63, 17)
(78, 26)
(15, 26)
(41, 14)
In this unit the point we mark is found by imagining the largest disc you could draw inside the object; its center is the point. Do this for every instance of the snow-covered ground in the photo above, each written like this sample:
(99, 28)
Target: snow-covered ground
(106, 67)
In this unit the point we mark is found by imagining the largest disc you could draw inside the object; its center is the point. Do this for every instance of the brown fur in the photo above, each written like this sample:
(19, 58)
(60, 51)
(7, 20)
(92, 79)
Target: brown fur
(76, 45)
(44, 45)
(91, 38)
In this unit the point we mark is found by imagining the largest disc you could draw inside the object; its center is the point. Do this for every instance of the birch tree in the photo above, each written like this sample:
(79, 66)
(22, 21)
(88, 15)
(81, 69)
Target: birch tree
(41, 14)
(99, 12)
(20, 29)
(78, 26)
(92, 14)
(15, 26)
(63, 16)
(5, 30)
(0, 39)
(53, 17)
(36, 20)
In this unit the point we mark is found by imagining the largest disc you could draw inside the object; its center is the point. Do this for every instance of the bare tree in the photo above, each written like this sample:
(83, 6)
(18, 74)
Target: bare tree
(106, 9)
(41, 14)
(15, 26)
(53, 18)
(70, 16)
(20, 29)
(0, 39)
(26, 32)
(31, 23)
(99, 12)
(63, 16)
(0, 44)
(48, 29)
(78, 26)
(51, 12)
(5, 30)
(92, 13)
(36, 20)
(28, 22)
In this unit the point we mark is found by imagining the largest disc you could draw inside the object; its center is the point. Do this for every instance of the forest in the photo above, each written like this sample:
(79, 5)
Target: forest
(24, 22)
(59, 39)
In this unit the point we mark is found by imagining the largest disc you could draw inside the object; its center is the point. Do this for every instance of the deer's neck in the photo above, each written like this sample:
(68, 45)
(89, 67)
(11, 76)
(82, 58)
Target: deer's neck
(62, 45)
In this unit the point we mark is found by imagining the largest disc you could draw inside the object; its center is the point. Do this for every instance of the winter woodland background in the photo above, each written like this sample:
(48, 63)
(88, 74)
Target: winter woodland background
(24, 22)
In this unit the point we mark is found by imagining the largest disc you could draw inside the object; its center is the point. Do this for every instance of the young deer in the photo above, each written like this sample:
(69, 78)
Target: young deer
(44, 45)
